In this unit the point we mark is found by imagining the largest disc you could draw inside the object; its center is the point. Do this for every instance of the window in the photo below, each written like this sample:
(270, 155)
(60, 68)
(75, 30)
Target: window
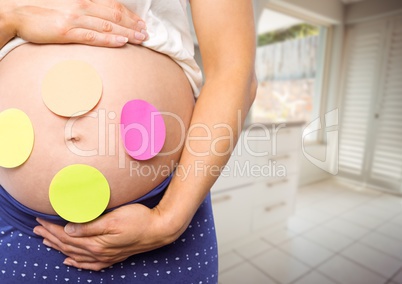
(289, 66)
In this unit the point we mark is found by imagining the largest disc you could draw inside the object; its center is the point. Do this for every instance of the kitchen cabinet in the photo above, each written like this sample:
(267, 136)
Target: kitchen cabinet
(258, 187)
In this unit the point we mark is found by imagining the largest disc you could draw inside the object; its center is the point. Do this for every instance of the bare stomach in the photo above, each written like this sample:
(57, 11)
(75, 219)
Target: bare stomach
(127, 73)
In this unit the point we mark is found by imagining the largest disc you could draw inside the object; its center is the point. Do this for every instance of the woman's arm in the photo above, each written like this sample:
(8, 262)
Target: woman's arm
(96, 22)
(6, 30)
(226, 34)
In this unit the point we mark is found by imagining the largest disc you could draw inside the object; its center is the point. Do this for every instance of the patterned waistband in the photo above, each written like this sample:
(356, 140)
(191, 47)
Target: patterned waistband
(24, 218)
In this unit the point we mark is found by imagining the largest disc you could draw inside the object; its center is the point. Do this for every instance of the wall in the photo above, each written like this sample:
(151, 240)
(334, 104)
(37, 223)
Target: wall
(310, 173)
(334, 68)
(371, 10)
(327, 11)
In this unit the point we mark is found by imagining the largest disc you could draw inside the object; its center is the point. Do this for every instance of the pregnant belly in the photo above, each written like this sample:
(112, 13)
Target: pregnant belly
(128, 73)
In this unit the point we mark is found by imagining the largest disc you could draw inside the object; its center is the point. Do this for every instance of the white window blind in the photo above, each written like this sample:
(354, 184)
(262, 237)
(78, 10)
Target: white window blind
(364, 47)
(371, 131)
(386, 167)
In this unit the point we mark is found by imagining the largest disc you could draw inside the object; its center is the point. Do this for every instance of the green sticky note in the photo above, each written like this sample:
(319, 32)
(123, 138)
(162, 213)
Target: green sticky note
(79, 193)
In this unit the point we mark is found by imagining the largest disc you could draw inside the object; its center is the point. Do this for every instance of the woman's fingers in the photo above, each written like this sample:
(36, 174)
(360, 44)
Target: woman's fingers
(100, 26)
(90, 37)
(98, 22)
(117, 13)
(110, 16)
(81, 250)
(56, 236)
(96, 266)
(77, 254)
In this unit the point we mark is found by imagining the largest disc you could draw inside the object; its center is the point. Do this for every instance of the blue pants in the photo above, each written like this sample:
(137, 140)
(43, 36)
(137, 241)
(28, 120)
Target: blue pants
(192, 258)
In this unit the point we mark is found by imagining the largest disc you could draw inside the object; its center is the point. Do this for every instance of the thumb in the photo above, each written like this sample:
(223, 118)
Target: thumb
(89, 229)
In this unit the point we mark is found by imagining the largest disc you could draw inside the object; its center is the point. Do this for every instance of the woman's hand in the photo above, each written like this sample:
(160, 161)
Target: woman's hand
(110, 239)
(92, 22)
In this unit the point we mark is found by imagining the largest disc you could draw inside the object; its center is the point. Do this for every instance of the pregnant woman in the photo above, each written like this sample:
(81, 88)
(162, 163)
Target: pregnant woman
(158, 228)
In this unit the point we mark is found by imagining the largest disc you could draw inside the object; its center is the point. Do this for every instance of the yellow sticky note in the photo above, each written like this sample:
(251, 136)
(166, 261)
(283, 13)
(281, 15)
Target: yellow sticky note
(71, 88)
(16, 138)
(79, 193)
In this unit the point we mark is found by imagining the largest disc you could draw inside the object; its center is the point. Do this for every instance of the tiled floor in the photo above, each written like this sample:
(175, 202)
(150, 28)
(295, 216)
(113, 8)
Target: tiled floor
(338, 235)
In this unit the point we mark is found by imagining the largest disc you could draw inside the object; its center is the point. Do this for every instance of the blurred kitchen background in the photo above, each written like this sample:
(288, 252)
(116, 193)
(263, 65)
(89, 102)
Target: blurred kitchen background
(313, 191)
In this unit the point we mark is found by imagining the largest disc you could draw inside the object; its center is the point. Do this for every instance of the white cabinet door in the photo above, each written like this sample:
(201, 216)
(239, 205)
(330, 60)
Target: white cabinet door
(232, 213)
(274, 201)
(252, 194)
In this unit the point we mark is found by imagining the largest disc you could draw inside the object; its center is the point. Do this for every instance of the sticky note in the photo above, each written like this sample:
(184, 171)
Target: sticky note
(71, 88)
(16, 138)
(143, 129)
(79, 193)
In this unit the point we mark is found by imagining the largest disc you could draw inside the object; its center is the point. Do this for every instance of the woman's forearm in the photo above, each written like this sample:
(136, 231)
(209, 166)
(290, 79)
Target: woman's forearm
(229, 90)
(222, 107)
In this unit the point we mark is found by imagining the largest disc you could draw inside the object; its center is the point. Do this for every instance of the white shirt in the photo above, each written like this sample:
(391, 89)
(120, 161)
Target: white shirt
(169, 33)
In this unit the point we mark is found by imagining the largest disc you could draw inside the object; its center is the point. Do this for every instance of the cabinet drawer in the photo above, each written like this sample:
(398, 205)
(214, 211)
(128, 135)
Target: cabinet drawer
(289, 139)
(276, 190)
(260, 154)
(280, 166)
(232, 213)
(270, 213)
(273, 201)
(289, 161)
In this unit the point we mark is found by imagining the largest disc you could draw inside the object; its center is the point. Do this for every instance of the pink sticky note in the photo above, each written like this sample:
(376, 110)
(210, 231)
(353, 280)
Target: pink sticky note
(143, 129)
